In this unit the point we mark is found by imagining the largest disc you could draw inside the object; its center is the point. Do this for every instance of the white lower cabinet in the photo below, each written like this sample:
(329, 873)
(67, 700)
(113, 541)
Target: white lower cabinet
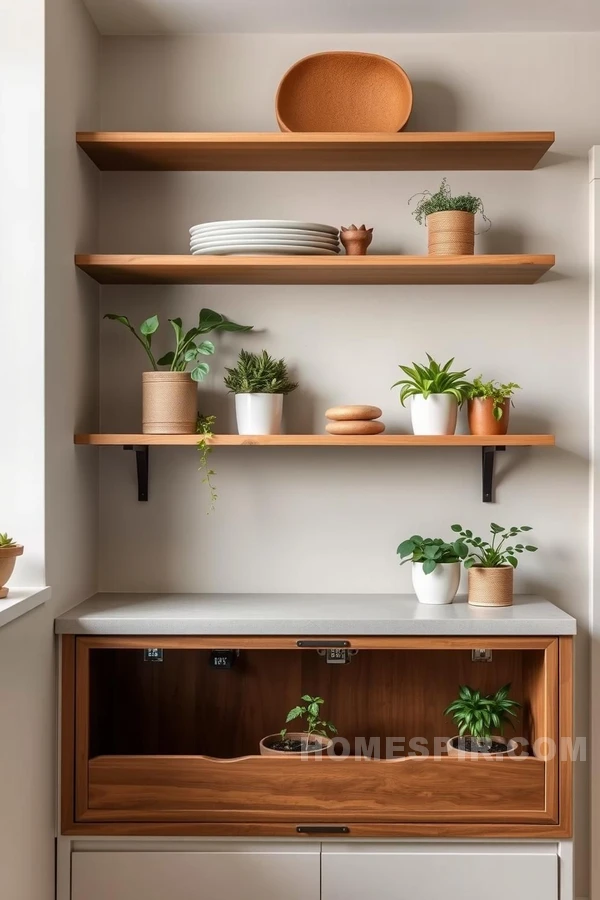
(439, 872)
(189, 875)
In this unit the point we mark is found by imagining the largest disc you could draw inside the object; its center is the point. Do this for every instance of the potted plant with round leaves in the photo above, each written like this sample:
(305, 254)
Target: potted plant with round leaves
(170, 395)
(435, 392)
(435, 567)
(488, 406)
(9, 550)
(450, 220)
(491, 563)
(479, 717)
(259, 383)
(313, 739)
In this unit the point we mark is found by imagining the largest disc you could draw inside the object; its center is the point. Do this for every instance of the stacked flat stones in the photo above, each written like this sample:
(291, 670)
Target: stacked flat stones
(354, 420)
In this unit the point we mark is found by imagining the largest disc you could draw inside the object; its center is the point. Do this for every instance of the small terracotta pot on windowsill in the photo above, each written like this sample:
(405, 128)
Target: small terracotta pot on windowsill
(8, 558)
(482, 421)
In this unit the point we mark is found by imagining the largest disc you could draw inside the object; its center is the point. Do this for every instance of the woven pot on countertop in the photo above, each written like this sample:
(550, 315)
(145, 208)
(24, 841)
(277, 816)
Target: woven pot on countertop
(491, 587)
(451, 233)
(169, 403)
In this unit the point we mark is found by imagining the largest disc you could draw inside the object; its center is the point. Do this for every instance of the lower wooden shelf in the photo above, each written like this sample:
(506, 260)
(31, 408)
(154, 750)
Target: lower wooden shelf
(319, 440)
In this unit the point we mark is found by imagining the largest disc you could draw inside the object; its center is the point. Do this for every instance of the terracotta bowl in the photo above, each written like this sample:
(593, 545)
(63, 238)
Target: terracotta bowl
(343, 91)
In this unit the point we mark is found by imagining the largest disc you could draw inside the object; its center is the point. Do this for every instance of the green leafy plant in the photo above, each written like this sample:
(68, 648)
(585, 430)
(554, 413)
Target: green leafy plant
(311, 713)
(432, 379)
(492, 390)
(187, 346)
(259, 373)
(443, 201)
(204, 427)
(477, 714)
(431, 552)
(6, 541)
(495, 553)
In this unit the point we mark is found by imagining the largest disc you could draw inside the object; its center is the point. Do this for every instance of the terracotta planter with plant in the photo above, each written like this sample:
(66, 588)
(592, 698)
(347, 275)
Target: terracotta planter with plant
(9, 551)
(170, 397)
(478, 716)
(314, 739)
(450, 220)
(259, 383)
(436, 392)
(491, 563)
(435, 567)
(488, 406)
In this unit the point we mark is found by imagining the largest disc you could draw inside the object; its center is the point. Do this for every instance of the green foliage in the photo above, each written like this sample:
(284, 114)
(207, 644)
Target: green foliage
(6, 541)
(432, 379)
(492, 555)
(476, 714)
(259, 373)
(187, 346)
(492, 390)
(443, 201)
(204, 427)
(311, 712)
(431, 552)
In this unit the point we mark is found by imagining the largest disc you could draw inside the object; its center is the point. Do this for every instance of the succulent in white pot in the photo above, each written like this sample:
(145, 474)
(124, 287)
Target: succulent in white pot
(435, 567)
(259, 383)
(435, 392)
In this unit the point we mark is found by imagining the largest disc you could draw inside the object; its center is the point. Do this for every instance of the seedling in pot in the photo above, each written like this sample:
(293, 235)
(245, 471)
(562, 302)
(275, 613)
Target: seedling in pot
(314, 727)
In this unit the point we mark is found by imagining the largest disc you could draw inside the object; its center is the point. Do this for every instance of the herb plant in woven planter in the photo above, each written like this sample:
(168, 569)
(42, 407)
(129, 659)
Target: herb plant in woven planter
(491, 563)
(9, 550)
(435, 567)
(479, 718)
(259, 383)
(313, 739)
(435, 392)
(488, 405)
(450, 220)
(170, 396)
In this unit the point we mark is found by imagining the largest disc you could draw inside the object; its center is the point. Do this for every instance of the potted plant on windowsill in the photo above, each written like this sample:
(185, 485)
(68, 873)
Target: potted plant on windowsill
(313, 739)
(477, 716)
(436, 393)
(259, 383)
(435, 567)
(450, 220)
(9, 550)
(170, 397)
(491, 563)
(488, 406)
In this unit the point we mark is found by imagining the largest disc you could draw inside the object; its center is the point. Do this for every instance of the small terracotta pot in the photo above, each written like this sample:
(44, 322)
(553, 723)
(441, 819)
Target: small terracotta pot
(451, 233)
(8, 557)
(481, 416)
(169, 403)
(321, 744)
(511, 749)
(491, 587)
(356, 240)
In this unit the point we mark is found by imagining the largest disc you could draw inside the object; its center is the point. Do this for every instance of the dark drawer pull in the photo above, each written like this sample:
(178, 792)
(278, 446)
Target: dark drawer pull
(323, 829)
(323, 644)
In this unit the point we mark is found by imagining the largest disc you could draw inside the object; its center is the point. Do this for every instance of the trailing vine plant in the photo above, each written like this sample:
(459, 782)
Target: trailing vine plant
(204, 427)
(443, 201)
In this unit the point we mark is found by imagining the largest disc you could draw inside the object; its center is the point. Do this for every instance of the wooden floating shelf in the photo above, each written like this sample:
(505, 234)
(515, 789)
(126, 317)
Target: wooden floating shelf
(272, 151)
(187, 269)
(317, 440)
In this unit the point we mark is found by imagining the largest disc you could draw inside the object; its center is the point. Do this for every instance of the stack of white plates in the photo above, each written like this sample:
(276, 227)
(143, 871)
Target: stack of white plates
(264, 237)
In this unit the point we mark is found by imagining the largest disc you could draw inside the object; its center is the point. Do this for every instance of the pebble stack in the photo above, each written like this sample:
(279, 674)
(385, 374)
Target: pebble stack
(354, 420)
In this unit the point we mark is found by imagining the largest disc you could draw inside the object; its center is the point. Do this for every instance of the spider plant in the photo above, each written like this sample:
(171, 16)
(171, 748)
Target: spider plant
(476, 714)
(432, 378)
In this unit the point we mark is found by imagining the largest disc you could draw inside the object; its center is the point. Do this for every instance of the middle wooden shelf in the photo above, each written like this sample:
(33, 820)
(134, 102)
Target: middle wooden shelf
(319, 440)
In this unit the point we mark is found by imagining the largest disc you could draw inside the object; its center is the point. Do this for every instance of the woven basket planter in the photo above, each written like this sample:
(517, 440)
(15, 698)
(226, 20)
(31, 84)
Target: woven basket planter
(169, 403)
(491, 587)
(451, 233)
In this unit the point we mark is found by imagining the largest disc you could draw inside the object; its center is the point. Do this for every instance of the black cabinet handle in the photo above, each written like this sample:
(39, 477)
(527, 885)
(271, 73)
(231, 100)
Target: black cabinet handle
(322, 644)
(323, 829)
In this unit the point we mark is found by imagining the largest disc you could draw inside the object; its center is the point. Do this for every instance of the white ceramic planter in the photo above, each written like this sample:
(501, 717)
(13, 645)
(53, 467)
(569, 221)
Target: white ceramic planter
(439, 587)
(435, 414)
(259, 413)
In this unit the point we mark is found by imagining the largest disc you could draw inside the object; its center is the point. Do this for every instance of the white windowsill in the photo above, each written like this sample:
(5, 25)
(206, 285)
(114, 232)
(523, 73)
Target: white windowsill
(21, 601)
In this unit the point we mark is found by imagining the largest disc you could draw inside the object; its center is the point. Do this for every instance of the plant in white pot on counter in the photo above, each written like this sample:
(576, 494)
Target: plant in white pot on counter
(314, 738)
(477, 716)
(435, 392)
(491, 563)
(9, 550)
(259, 383)
(170, 397)
(435, 567)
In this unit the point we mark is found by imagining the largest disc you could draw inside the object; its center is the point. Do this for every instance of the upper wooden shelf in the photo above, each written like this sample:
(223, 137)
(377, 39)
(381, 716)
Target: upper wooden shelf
(262, 152)
(319, 440)
(370, 269)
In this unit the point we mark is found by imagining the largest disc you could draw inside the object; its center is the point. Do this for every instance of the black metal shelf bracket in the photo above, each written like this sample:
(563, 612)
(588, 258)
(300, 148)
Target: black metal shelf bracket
(488, 457)
(142, 458)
